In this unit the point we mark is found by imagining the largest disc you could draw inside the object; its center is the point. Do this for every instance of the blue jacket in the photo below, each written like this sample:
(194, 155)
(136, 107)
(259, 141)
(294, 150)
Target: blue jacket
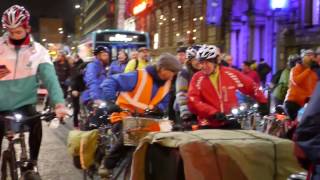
(125, 82)
(94, 75)
(307, 135)
(116, 67)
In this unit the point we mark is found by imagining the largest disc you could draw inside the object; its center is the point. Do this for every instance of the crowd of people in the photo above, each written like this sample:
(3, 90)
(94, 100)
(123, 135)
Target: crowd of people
(198, 85)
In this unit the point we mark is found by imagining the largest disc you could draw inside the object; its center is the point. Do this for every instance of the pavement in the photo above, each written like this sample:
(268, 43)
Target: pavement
(54, 161)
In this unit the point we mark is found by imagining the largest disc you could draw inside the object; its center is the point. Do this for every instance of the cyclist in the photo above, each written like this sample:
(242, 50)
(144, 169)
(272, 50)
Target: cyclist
(24, 61)
(95, 73)
(182, 83)
(140, 90)
(212, 91)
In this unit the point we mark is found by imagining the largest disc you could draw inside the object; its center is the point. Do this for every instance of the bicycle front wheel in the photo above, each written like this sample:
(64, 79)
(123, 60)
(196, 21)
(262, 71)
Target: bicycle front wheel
(8, 168)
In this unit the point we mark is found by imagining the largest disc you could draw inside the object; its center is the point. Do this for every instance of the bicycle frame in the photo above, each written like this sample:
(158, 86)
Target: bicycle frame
(18, 167)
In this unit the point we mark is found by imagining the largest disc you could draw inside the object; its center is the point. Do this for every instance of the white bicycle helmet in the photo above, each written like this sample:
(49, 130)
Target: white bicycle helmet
(191, 52)
(208, 52)
(15, 16)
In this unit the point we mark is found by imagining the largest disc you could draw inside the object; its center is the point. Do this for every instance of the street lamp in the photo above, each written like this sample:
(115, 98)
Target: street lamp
(77, 6)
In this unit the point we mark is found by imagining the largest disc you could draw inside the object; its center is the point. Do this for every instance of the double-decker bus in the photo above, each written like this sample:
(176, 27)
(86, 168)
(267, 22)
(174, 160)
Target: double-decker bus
(115, 40)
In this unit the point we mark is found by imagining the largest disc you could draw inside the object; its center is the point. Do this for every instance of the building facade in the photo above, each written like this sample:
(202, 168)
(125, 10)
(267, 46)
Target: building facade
(246, 29)
(97, 14)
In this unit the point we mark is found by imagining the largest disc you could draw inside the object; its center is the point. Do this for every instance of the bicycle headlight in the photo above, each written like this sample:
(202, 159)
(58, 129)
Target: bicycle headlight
(18, 117)
(102, 105)
(234, 111)
(242, 107)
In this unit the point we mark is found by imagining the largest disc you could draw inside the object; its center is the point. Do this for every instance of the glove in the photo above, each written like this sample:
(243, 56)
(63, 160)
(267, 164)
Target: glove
(263, 109)
(219, 116)
(61, 111)
(313, 65)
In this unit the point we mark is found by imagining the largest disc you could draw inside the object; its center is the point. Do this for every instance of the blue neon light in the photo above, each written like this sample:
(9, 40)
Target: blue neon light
(279, 4)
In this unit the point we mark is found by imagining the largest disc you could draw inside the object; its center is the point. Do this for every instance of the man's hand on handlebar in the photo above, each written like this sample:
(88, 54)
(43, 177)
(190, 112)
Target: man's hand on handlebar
(61, 111)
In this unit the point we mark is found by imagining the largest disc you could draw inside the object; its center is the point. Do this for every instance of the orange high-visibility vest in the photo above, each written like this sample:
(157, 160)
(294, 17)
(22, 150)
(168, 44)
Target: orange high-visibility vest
(139, 99)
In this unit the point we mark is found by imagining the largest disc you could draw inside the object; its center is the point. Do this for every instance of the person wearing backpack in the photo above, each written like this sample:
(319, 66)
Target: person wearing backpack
(141, 62)
(94, 75)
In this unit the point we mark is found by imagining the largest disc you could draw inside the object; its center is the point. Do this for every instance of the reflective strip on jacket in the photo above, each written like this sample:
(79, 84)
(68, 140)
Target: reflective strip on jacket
(139, 98)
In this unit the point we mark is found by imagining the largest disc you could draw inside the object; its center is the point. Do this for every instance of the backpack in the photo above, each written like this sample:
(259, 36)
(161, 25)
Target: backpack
(77, 81)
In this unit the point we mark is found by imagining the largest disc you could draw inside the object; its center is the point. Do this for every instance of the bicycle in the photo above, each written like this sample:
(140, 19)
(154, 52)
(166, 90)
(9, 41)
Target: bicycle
(14, 168)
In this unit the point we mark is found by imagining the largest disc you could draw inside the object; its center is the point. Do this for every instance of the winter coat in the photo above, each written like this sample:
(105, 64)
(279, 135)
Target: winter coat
(253, 75)
(307, 134)
(63, 71)
(204, 100)
(132, 65)
(182, 86)
(126, 82)
(75, 77)
(94, 75)
(26, 66)
(301, 84)
(116, 67)
(281, 88)
(263, 70)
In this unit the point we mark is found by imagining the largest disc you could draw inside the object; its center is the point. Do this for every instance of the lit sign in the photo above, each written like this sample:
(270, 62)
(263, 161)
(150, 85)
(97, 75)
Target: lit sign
(278, 4)
(140, 5)
(139, 8)
(120, 37)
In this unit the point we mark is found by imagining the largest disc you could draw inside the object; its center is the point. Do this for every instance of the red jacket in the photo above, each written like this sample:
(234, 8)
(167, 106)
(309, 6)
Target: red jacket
(204, 101)
(253, 75)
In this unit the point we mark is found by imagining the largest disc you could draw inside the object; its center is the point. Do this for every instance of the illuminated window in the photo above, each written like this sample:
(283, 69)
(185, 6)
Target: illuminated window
(156, 41)
(279, 4)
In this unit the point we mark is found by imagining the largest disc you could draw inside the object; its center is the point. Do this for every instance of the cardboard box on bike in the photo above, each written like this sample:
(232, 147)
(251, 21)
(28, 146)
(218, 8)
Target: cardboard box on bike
(221, 154)
(136, 128)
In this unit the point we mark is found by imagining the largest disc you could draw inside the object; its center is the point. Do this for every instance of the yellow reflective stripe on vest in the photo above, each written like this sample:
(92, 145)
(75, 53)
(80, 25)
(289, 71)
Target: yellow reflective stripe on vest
(141, 86)
(158, 97)
(132, 101)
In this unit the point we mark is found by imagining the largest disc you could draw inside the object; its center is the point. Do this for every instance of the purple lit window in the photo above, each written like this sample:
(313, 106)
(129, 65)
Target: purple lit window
(279, 4)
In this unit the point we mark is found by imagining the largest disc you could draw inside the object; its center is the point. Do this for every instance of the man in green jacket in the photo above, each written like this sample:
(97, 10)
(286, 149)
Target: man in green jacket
(22, 63)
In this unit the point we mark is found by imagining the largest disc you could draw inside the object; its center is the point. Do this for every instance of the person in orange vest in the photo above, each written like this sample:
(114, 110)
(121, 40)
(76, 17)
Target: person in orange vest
(139, 91)
(143, 89)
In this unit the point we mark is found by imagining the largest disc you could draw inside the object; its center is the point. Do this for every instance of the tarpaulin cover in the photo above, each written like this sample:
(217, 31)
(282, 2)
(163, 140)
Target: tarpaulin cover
(224, 154)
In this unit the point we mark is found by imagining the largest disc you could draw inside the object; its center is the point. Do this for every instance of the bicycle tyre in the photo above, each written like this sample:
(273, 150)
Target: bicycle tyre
(8, 168)
(30, 175)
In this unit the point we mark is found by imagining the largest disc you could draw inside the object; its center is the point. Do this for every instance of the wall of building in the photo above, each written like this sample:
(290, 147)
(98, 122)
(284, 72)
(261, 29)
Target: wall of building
(98, 14)
(48, 29)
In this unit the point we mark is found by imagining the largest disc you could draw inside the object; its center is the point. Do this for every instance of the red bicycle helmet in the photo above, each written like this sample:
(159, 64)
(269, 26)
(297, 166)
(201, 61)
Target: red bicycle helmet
(15, 16)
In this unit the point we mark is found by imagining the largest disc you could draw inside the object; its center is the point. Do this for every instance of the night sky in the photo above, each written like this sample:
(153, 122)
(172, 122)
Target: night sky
(63, 9)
